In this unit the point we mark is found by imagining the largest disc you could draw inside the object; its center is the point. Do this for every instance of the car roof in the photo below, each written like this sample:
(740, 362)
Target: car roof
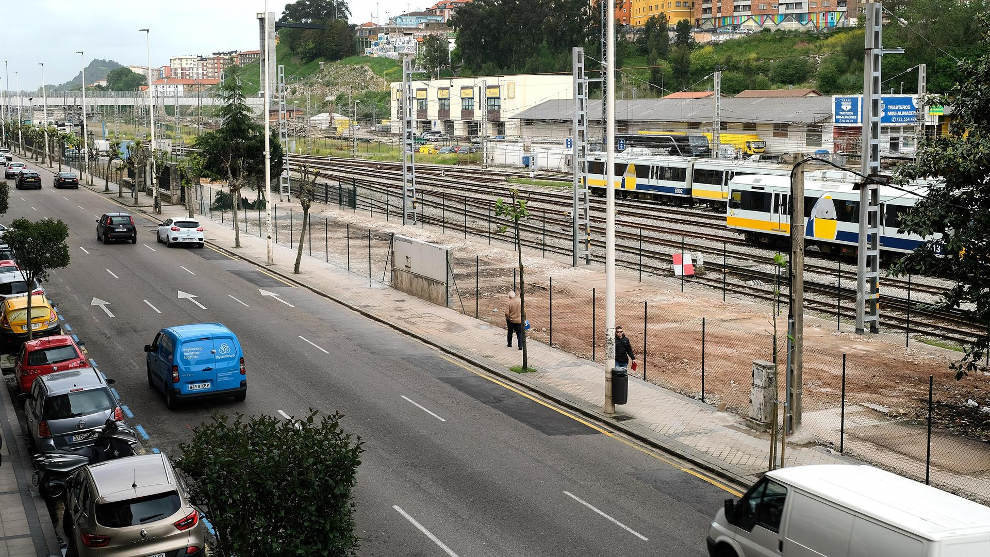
(199, 330)
(62, 382)
(132, 477)
(48, 342)
(906, 504)
(7, 261)
(66, 173)
(117, 214)
(10, 276)
(20, 302)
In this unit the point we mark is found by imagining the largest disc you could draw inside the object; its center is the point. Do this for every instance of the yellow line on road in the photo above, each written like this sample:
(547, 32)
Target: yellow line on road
(601, 430)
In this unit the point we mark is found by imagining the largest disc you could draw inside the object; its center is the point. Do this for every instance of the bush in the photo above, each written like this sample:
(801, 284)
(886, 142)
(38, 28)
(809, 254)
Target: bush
(274, 486)
(222, 202)
(791, 71)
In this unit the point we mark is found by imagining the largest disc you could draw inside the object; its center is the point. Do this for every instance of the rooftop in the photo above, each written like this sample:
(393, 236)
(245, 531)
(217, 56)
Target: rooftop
(778, 93)
(689, 95)
(801, 110)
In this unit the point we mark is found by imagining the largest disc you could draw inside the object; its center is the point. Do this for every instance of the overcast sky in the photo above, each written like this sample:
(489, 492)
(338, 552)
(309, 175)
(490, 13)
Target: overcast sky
(50, 31)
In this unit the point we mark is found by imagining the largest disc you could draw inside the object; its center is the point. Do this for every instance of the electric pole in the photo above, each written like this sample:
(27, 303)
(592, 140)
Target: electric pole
(44, 97)
(268, 149)
(717, 120)
(85, 137)
(919, 128)
(609, 100)
(795, 309)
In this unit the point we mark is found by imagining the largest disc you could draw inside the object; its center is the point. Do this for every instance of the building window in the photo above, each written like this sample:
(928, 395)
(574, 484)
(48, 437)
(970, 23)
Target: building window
(420, 104)
(813, 136)
(467, 103)
(723, 125)
(494, 104)
(749, 126)
(443, 104)
(780, 130)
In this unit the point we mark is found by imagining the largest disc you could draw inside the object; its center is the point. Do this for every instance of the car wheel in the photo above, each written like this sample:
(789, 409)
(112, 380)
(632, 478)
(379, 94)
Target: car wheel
(168, 242)
(201, 244)
(239, 397)
(98, 237)
(134, 239)
(158, 237)
(725, 550)
(170, 401)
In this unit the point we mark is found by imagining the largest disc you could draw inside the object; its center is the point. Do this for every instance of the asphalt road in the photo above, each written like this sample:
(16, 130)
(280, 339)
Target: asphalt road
(454, 464)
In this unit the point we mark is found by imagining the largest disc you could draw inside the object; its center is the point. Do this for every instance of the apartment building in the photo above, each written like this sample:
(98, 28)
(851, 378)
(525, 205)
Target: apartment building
(773, 14)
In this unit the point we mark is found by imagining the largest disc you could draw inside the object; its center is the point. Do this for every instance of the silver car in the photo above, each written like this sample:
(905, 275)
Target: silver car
(66, 410)
(131, 506)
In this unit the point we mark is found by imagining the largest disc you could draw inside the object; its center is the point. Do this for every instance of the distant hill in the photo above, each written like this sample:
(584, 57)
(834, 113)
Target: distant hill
(95, 71)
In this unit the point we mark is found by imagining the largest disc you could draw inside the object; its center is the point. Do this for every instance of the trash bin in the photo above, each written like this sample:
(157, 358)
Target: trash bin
(525, 161)
(620, 386)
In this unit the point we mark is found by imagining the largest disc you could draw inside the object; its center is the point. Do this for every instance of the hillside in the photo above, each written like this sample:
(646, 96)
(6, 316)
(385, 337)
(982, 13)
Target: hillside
(95, 71)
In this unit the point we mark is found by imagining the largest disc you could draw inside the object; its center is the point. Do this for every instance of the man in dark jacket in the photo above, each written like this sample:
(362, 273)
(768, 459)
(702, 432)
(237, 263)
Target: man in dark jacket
(623, 349)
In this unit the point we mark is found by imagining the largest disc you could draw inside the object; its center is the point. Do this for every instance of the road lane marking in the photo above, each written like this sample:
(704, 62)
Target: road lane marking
(609, 518)
(111, 274)
(645, 450)
(423, 408)
(86, 251)
(34, 208)
(428, 534)
(149, 247)
(238, 301)
(284, 415)
(103, 305)
(81, 207)
(144, 434)
(318, 347)
(271, 294)
(221, 253)
(65, 198)
(127, 412)
(191, 297)
(21, 198)
(183, 267)
(151, 306)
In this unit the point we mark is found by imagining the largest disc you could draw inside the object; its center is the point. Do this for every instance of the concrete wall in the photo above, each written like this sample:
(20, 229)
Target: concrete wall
(420, 269)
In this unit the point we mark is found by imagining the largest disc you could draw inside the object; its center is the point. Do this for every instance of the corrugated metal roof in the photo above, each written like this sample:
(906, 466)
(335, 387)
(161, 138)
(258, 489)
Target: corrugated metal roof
(802, 110)
(779, 93)
(690, 95)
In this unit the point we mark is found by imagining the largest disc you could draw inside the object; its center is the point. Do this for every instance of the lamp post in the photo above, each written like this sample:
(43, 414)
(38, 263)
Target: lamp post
(353, 133)
(89, 178)
(20, 120)
(151, 118)
(6, 97)
(44, 99)
(268, 148)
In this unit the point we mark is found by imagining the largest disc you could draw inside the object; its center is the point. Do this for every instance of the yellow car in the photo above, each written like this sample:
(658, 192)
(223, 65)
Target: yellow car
(13, 319)
(427, 150)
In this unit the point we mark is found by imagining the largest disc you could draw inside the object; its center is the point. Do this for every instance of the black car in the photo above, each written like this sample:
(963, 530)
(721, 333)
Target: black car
(66, 180)
(28, 179)
(116, 226)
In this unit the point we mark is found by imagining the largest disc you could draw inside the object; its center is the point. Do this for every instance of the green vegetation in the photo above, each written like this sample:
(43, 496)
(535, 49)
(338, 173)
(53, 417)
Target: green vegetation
(519, 369)
(389, 69)
(96, 70)
(335, 41)
(939, 343)
(123, 79)
(40, 248)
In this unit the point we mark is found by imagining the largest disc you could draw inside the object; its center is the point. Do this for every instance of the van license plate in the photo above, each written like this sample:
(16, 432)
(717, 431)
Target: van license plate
(157, 555)
(84, 436)
(198, 386)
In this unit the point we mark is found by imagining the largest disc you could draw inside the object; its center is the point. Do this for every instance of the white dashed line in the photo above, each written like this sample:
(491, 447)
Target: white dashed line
(34, 208)
(187, 270)
(86, 251)
(81, 207)
(423, 408)
(151, 306)
(238, 301)
(65, 198)
(284, 415)
(149, 247)
(111, 274)
(609, 518)
(428, 534)
(313, 344)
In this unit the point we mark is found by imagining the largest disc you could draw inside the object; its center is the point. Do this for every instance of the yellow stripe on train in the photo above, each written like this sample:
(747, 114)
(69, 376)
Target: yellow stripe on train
(708, 194)
(757, 224)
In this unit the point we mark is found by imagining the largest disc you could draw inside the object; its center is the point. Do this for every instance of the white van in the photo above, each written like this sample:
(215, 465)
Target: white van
(848, 511)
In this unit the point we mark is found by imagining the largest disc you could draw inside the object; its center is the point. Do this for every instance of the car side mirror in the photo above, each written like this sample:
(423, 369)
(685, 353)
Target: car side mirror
(730, 511)
(111, 381)
(147, 348)
(97, 221)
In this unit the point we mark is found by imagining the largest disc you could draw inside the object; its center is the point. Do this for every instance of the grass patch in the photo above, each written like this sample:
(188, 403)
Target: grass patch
(941, 343)
(541, 183)
(519, 369)
(384, 67)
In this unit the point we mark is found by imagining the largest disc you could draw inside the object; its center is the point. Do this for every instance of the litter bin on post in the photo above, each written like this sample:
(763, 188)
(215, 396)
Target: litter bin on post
(620, 386)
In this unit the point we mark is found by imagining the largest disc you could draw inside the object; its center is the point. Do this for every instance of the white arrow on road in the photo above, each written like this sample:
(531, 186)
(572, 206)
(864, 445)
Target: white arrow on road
(271, 294)
(191, 298)
(103, 305)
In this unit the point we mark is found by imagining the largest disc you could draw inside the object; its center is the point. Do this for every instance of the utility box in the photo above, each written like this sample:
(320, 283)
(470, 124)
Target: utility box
(764, 392)
(421, 269)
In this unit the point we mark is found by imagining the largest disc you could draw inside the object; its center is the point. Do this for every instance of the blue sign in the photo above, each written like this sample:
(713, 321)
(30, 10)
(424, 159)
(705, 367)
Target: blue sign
(568, 143)
(894, 109)
(847, 110)
(621, 144)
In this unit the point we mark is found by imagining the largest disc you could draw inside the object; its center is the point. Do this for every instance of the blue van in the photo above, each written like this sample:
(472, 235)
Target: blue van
(195, 361)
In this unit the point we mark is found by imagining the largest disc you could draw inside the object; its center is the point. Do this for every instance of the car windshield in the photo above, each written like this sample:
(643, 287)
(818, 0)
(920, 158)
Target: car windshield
(67, 175)
(77, 404)
(8, 269)
(120, 514)
(52, 355)
(120, 219)
(187, 224)
(15, 287)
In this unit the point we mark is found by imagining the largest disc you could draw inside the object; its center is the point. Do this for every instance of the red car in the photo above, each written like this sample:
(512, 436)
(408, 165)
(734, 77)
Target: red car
(46, 355)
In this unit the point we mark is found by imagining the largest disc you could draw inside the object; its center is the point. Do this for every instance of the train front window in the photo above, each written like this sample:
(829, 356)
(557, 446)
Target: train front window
(643, 171)
(751, 201)
(596, 167)
(894, 214)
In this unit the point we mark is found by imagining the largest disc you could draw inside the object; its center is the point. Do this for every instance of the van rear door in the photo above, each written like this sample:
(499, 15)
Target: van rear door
(197, 365)
(227, 362)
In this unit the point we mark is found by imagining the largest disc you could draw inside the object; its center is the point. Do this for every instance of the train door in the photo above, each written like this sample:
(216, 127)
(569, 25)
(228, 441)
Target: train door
(781, 212)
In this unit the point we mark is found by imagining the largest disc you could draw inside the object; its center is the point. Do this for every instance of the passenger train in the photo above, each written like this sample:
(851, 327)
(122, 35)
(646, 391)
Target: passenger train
(759, 206)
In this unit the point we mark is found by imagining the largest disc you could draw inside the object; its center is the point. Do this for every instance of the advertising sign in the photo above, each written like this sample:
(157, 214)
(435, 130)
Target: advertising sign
(894, 110)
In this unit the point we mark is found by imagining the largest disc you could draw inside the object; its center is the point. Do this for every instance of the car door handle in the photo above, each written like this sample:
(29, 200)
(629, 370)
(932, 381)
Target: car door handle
(207, 369)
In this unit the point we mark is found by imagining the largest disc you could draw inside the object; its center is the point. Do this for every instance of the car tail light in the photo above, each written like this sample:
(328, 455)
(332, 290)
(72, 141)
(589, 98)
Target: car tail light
(174, 229)
(175, 374)
(132, 220)
(243, 369)
(188, 522)
(37, 292)
(52, 317)
(118, 414)
(93, 540)
(200, 229)
(192, 550)
(43, 431)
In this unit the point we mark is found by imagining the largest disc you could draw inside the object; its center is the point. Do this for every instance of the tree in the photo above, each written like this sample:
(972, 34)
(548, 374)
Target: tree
(274, 486)
(113, 153)
(434, 54)
(657, 48)
(680, 60)
(336, 41)
(516, 211)
(307, 191)
(190, 170)
(39, 247)
(123, 79)
(682, 33)
(954, 215)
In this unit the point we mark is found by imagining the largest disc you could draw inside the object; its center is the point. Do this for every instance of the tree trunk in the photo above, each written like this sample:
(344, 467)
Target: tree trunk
(522, 302)
(302, 235)
(30, 331)
(106, 178)
(233, 210)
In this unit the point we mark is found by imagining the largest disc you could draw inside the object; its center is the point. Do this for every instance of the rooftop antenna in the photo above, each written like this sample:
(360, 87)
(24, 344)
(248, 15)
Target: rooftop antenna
(134, 481)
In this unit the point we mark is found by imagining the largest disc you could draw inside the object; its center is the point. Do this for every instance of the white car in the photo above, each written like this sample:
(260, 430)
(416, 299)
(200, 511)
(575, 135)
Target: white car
(181, 231)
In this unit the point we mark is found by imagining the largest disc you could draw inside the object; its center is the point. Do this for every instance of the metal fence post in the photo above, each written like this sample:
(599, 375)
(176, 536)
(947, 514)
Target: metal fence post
(275, 219)
(290, 228)
(513, 278)
(543, 241)
(347, 232)
(683, 266)
(842, 414)
(387, 206)
(640, 254)
(928, 453)
(443, 212)
(702, 359)
(489, 223)
(369, 258)
(477, 282)
(645, 320)
(838, 294)
(724, 270)
(464, 199)
(907, 329)
(550, 290)
(326, 239)
(594, 331)
(259, 217)
(309, 225)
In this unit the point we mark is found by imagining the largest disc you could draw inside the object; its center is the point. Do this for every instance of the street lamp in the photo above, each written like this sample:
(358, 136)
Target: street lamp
(44, 97)
(353, 134)
(20, 120)
(6, 113)
(151, 103)
(85, 137)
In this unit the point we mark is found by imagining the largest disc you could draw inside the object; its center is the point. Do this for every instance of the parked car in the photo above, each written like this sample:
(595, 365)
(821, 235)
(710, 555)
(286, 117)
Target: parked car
(13, 320)
(66, 179)
(13, 169)
(845, 510)
(427, 150)
(131, 506)
(46, 355)
(13, 283)
(445, 150)
(67, 409)
(6, 253)
(8, 266)
(28, 179)
(116, 226)
(180, 231)
(195, 361)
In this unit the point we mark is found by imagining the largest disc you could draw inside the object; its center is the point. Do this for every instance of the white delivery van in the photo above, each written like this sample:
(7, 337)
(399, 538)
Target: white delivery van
(848, 511)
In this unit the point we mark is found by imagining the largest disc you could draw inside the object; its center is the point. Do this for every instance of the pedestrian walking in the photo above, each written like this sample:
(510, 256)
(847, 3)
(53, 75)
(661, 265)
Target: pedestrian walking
(513, 320)
(623, 350)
